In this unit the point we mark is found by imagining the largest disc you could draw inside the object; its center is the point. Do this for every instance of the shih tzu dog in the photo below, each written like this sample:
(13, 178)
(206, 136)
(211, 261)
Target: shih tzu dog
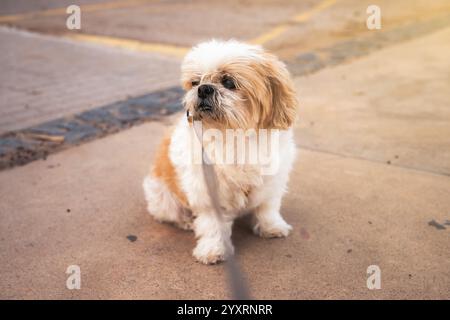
(230, 87)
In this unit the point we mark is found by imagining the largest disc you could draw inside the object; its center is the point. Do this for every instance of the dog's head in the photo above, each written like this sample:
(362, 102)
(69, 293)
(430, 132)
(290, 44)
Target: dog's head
(230, 84)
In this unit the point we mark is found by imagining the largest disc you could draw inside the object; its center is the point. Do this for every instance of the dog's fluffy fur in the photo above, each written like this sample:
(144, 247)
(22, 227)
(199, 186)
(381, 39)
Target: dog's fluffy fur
(261, 96)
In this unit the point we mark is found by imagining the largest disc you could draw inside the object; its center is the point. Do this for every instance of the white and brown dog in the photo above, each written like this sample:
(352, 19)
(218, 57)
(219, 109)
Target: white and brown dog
(229, 85)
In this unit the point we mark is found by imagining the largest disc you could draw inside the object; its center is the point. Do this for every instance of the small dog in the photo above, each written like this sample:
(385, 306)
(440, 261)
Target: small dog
(229, 86)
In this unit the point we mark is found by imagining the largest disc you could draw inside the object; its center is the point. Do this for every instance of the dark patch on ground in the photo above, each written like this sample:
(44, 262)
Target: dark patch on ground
(132, 238)
(304, 234)
(344, 51)
(437, 225)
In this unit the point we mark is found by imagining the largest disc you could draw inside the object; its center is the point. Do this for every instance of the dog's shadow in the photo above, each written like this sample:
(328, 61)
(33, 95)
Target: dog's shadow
(242, 235)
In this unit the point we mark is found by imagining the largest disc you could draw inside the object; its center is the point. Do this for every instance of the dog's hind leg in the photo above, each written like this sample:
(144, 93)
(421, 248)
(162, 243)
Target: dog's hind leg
(164, 206)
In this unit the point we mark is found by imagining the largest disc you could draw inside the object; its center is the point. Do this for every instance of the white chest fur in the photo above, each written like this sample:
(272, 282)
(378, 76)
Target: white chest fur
(241, 186)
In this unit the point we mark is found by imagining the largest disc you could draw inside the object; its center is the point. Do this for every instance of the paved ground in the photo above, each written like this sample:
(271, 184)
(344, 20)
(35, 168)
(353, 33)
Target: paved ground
(392, 107)
(349, 207)
(44, 77)
(310, 24)
(370, 186)
(38, 84)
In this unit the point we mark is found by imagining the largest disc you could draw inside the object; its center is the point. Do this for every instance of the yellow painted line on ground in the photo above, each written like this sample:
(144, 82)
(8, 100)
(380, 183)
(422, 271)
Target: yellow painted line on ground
(62, 11)
(160, 48)
(302, 17)
(271, 34)
(305, 16)
(133, 45)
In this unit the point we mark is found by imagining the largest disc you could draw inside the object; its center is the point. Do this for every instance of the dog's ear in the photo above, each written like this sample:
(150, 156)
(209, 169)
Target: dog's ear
(280, 111)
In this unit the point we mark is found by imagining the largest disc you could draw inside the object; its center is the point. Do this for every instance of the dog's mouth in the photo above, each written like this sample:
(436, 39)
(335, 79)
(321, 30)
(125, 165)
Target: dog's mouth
(205, 110)
(204, 107)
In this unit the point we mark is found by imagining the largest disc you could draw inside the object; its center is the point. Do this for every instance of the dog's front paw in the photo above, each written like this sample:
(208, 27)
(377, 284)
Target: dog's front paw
(208, 251)
(277, 229)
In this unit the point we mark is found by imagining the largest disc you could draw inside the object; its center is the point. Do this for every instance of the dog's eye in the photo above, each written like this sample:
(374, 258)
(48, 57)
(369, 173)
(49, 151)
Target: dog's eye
(195, 83)
(228, 83)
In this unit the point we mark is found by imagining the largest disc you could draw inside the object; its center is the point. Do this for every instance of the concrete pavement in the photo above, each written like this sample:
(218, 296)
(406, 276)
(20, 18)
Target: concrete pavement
(185, 23)
(391, 107)
(44, 77)
(39, 84)
(349, 208)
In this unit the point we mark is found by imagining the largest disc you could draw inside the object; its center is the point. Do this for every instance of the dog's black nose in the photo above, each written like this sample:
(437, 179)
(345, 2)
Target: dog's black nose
(205, 90)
